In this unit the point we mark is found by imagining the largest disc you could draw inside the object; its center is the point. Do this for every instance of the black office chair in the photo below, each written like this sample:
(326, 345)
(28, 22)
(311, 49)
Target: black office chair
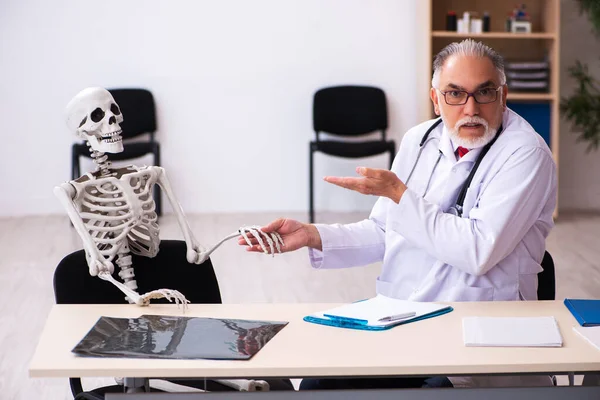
(349, 111)
(547, 279)
(139, 118)
(169, 269)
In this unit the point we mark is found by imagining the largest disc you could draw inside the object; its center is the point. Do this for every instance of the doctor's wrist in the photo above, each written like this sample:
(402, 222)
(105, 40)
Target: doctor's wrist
(398, 192)
(313, 237)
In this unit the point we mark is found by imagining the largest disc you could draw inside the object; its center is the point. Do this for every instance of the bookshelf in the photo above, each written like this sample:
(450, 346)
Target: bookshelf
(494, 35)
(542, 43)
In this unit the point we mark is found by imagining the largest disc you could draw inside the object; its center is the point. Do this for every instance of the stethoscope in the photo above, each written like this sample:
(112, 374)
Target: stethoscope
(457, 209)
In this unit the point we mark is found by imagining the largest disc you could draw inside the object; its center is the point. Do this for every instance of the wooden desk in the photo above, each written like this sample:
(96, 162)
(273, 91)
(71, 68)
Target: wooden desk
(301, 349)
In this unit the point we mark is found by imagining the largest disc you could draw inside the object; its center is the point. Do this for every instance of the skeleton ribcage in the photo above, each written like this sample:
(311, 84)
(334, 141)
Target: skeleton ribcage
(114, 210)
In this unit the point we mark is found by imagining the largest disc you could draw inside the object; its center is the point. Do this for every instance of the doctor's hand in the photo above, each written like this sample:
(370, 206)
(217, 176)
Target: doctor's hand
(376, 182)
(295, 235)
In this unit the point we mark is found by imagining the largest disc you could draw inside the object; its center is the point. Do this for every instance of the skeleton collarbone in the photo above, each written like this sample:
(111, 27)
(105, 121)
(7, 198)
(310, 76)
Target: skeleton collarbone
(119, 209)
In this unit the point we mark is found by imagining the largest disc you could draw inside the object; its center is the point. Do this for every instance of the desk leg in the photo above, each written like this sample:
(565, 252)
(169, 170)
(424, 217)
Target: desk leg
(571, 379)
(136, 385)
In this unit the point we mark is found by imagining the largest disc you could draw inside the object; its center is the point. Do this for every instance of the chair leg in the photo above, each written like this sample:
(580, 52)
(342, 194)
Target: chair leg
(157, 191)
(76, 386)
(311, 210)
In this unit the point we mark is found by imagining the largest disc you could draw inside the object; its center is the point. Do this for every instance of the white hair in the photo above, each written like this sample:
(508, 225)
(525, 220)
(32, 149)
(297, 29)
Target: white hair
(467, 47)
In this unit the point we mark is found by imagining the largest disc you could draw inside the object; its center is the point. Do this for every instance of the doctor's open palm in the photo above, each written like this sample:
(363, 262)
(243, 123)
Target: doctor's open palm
(295, 235)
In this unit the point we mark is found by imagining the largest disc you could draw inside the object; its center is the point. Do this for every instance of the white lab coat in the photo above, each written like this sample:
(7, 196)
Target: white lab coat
(492, 253)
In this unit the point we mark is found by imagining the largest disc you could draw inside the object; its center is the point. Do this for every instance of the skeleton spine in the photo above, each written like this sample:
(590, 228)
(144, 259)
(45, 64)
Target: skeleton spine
(126, 273)
(101, 160)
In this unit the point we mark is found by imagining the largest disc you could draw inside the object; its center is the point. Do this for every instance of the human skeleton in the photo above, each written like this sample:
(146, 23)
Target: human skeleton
(112, 209)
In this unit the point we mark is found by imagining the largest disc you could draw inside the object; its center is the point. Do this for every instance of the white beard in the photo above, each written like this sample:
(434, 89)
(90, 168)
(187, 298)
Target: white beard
(471, 142)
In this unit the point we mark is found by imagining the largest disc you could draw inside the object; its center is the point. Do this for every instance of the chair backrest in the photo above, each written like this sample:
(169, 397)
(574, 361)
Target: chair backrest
(546, 279)
(350, 110)
(138, 109)
(168, 270)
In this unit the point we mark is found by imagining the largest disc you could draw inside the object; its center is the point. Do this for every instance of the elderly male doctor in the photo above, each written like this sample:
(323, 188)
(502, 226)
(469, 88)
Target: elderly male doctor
(491, 248)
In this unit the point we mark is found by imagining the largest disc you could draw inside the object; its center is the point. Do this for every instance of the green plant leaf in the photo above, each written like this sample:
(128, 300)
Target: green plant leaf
(592, 9)
(582, 108)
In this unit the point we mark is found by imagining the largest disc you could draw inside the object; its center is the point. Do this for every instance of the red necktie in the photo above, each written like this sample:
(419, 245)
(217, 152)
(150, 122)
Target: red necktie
(461, 151)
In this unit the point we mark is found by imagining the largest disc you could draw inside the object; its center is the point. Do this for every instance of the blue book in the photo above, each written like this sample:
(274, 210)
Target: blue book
(586, 312)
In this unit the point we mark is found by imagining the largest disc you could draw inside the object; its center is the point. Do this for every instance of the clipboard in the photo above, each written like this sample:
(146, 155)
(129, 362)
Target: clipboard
(366, 314)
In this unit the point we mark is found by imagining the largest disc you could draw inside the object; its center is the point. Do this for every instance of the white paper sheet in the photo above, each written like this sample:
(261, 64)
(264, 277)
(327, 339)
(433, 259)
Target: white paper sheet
(372, 310)
(590, 333)
(511, 332)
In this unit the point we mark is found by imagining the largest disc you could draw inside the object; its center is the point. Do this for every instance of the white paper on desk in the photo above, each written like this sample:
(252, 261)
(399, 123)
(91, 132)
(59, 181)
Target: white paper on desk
(589, 333)
(511, 332)
(381, 306)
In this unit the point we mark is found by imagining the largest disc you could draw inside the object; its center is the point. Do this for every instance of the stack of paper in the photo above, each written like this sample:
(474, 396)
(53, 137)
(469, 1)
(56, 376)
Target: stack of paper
(378, 313)
(511, 332)
(591, 334)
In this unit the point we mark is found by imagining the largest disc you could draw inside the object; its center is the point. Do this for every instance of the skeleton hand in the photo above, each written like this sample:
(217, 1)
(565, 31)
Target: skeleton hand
(272, 238)
(294, 234)
(168, 294)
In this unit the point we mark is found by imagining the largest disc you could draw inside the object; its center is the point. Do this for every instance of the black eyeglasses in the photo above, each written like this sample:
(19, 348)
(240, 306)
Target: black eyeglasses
(481, 96)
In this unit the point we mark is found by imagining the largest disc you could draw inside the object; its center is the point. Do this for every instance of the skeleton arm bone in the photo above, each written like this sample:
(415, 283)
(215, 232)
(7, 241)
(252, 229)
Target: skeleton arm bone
(96, 262)
(195, 252)
(205, 254)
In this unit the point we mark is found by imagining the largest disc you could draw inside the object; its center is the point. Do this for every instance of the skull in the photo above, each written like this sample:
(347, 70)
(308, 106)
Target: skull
(95, 117)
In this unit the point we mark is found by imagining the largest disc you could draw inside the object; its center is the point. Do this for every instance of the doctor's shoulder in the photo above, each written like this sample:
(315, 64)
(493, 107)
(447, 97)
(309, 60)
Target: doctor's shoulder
(520, 146)
(521, 134)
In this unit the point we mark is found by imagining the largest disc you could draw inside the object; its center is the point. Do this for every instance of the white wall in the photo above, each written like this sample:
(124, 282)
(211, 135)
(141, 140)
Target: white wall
(233, 81)
(579, 177)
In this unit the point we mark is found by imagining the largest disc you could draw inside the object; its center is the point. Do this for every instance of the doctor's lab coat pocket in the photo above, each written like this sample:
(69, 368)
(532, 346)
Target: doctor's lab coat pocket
(471, 199)
(470, 293)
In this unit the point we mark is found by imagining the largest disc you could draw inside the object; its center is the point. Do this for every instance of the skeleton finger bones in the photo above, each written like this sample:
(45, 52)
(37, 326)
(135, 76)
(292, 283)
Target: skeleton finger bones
(144, 300)
(272, 238)
(169, 294)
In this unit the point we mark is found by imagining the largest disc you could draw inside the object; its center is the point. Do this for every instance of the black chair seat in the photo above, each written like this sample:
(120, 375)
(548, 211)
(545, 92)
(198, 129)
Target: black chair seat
(351, 149)
(169, 269)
